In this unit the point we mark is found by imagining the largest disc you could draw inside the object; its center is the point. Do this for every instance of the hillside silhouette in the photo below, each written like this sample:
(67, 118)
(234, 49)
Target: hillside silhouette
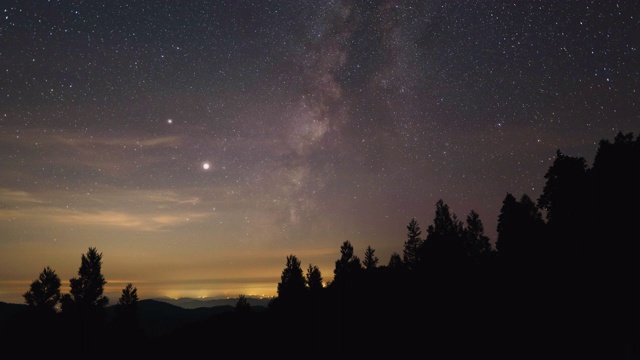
(561, 283)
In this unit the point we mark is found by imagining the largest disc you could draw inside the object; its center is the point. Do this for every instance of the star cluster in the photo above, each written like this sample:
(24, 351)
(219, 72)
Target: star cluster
(198, 144)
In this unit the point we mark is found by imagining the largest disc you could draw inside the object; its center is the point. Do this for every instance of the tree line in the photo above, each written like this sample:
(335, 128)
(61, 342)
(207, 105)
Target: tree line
(562, 278)
(560, 282)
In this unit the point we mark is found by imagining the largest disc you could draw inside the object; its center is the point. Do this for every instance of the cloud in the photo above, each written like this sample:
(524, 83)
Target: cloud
(104, 219)
(151, 210)
(79, 152)
(15, 197)
(168, 198)
(82, 141)
(119, 219)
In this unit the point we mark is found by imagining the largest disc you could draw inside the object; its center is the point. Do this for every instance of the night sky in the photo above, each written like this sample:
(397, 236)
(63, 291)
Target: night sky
(198, 144)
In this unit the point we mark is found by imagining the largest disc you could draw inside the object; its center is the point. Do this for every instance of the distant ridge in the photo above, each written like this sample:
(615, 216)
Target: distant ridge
(194, 303)
(161, 316)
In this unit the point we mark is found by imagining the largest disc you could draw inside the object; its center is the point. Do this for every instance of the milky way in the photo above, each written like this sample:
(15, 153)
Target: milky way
(318, 122)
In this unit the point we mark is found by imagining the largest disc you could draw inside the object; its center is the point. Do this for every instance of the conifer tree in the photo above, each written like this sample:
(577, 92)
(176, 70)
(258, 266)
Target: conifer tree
(242, 306)
(412, 245)
(87, 289)
(395, 261)
(314, 278)
(292, 285)
(444, 243)
(370, 259)
(84, 307)
(348, 262)
(476, 243)
(44, 293)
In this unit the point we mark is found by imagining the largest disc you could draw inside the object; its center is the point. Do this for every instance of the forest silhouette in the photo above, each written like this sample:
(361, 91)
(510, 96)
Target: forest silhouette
(560, 283)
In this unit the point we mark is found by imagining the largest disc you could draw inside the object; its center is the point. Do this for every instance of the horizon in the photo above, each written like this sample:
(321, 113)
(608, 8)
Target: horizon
(196, 146)
(167, 298)
(113, 292)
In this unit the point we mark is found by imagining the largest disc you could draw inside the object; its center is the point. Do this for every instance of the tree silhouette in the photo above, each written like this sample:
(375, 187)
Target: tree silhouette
(412, 245)
(292, 287)
(370, 261)
(87, 289)
(443, 245)
(84, 306)
(127, 309)
(315, 287)
(395, 261)
(126, 330)
(36, 327)
(564, 187)
(314, 279)
(520, 231)
(506, 228)
(242, 305)
(476, 243)
(129, 296)
(44, 293)
(612, 274)
(565, 200)
(616, 195)
(348, 263)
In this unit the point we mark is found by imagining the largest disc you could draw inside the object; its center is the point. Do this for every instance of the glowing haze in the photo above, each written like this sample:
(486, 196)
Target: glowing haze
(197, 145)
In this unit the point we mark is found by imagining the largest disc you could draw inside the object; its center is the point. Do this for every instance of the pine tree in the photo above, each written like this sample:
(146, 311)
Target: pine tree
(347, 264)
(84, 306)
(314, 278)
(292, 286)
(44, 293)
(412, 245)
(242, 306)
(476, 243)
(395, 261)
(370, 259)
(126, 320)
(129, 296)
(567, 204)
(87, 289)
(520, 230)
(444, 243)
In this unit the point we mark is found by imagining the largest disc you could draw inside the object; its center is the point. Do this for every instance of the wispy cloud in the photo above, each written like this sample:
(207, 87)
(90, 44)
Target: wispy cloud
(10, 196)
(109, 155)
(81, 140)
(154, 211)
(118, 219)
(171, 197)
(78, 139)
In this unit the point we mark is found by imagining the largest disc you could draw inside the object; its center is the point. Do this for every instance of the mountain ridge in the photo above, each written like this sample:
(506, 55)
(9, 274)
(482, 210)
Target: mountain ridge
(194, 303)
(160, 316)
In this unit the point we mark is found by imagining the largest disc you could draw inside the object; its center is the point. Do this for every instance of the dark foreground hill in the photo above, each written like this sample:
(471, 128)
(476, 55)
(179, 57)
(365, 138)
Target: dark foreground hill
(7, 310)
(155, 317)
(159, 318)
